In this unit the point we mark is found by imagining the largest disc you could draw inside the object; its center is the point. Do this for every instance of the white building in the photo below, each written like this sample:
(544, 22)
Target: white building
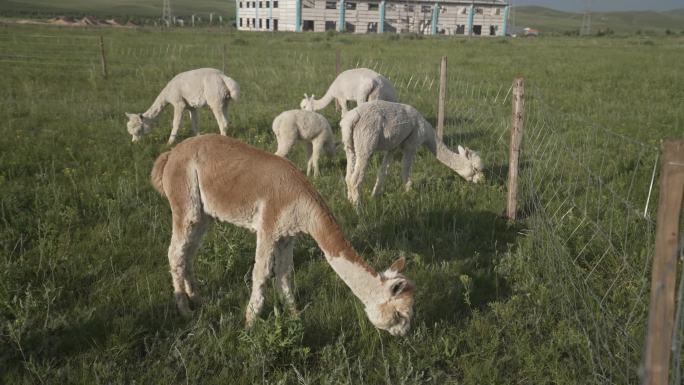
(447, 17)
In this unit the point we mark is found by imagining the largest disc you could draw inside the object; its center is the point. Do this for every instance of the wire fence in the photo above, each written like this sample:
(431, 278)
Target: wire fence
(586, 191)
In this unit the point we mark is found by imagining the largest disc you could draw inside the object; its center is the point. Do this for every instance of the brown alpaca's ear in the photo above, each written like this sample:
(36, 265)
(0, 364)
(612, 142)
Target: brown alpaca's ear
(401, 286)
(398, 265)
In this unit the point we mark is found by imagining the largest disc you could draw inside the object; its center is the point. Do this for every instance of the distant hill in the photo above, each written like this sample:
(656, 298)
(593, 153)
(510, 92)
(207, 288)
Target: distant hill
(550, 20)
(144, 8)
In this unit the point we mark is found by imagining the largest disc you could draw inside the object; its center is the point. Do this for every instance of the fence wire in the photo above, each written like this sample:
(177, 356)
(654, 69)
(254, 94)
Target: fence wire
(586, 191)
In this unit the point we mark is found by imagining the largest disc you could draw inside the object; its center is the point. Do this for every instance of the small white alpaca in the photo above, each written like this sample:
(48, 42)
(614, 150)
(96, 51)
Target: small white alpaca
(213, 176)
(189, 91)
(308, 126)
(381, 126)
(359, 85)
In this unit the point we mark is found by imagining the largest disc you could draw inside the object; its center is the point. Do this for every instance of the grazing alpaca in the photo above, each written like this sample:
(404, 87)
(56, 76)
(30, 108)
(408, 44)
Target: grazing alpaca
(212, 176)
(189, 91)
(360, 85)
(381, 126)
(309, 126)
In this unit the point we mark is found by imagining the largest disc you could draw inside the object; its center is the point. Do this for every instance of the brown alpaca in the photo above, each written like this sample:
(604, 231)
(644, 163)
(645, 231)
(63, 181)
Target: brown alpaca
(213, 176)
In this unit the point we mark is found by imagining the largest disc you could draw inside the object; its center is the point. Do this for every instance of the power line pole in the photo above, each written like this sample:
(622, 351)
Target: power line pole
(586, 20)
(167, 18)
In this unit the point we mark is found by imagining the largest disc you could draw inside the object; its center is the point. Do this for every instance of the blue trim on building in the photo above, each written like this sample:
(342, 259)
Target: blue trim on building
(470, 19)
(298, 15)
(237, 13)
(341, 22)
(505, 21)
(381, 27)
(435, 15)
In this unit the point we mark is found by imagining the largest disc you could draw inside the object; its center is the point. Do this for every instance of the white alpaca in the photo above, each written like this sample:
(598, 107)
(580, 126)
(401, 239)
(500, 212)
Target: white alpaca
(213, 176)
(189, 91)
(381, 126)
(359, 85)
(309, 126)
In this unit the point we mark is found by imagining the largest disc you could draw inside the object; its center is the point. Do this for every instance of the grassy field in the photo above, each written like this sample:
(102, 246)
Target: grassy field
(85, 294)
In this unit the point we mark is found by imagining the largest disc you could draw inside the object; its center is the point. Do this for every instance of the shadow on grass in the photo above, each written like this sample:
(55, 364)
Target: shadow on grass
(452, 258)
(99, 332)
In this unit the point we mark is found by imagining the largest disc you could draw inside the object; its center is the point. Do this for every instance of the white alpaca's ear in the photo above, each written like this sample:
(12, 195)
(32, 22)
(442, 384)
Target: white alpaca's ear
(130, 116)
(398, 265)
(461, 151)
(306, 97)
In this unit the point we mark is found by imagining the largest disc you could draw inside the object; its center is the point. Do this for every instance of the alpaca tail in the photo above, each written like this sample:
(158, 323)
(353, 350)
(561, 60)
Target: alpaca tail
(233, 87)
(347, 124)
(158, 172)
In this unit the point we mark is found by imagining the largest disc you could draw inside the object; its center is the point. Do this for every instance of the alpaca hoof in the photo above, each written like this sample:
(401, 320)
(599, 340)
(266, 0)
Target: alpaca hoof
(195, 301)
(182, 305)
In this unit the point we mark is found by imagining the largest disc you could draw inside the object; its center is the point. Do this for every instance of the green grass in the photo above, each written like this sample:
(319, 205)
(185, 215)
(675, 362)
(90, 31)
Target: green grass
(85, 294)
(146, 8)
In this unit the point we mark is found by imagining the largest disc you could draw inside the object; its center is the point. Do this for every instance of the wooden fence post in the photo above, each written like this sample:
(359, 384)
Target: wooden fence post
(664, 272)
(338, 69)
(516, 139)
(104, 59)
(442, 98)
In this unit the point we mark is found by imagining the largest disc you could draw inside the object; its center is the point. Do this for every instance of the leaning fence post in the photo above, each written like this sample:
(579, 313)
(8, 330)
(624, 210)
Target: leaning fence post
(516, 139)
(338, 69)
(663, 275)
(442, 98)
(103, 58)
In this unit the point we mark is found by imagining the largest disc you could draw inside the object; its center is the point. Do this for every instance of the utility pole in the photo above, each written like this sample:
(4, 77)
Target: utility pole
(586, 20)
(167, 18)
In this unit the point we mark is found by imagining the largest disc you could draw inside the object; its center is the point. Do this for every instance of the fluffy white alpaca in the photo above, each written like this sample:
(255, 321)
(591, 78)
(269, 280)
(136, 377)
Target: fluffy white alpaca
(308, 126)
(381, 126)
(359, 85)
(213, 176)
(189, 91)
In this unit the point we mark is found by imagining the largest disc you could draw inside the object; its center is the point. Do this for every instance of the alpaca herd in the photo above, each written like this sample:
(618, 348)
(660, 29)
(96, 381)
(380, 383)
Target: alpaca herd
(217, 177)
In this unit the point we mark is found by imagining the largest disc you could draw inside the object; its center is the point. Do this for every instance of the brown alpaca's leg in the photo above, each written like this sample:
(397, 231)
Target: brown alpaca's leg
(263, 265)
(284, 271)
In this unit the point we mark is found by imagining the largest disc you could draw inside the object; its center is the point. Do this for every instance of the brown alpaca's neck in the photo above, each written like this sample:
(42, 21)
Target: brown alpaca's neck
(356, 273)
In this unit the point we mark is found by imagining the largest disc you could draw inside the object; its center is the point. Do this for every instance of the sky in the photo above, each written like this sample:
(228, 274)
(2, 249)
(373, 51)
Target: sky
(604, 5)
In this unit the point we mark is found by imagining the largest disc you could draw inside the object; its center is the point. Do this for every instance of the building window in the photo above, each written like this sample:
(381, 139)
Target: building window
(496, 11)
(275, 4)
(260, 24)
(477, 30)
(241, 4)
(350, 6)
(493, 29)
(253, 4)
(460, 29)
(268, 24)
(373, 6)
(425, 8)
(329, 25)
(240, 22)
(479, 11)
(330, 5)
(408, 8)
(275, 24)
(253, 22)
(308, 25)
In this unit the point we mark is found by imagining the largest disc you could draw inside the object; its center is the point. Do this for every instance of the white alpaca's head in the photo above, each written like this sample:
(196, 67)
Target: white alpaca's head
(476, 172)
(331, 147)
(138, 126)
(307, 103)
(391, 308)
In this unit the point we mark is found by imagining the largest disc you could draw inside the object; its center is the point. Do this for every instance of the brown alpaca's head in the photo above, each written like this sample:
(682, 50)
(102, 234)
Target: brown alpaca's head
(392, 307)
